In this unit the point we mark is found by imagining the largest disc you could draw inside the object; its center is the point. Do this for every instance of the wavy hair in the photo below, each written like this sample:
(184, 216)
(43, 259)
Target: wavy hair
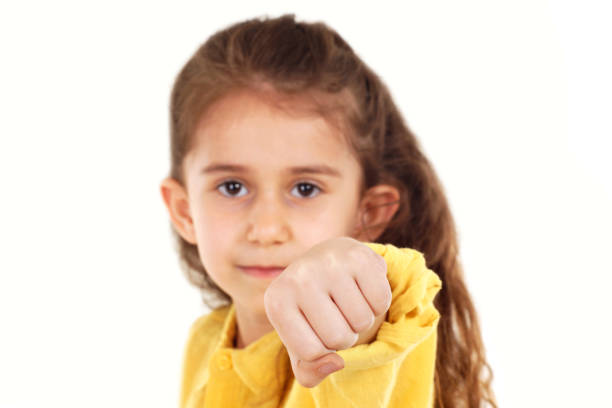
(311, 61)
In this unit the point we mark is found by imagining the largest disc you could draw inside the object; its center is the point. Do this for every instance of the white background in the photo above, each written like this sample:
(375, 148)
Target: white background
(511, 101)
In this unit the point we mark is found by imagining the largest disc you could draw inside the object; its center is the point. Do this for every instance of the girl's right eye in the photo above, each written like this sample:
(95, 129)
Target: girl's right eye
(232, 188)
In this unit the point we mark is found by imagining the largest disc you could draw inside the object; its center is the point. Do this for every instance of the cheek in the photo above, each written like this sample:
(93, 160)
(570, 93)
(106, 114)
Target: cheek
(336, 221)
(212, 224)
(214, 238)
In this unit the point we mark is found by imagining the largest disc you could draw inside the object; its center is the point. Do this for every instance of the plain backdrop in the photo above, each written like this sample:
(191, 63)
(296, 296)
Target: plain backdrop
(511, 101)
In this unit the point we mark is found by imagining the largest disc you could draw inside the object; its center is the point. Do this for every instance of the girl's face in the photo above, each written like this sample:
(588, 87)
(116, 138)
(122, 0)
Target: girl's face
(263, 188)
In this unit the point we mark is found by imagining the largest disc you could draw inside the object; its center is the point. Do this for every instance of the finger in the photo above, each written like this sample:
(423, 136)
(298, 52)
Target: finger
(311, 373)
(353, 305)
(327, 321)
(310, 360)
(295, 332)
(374, 286)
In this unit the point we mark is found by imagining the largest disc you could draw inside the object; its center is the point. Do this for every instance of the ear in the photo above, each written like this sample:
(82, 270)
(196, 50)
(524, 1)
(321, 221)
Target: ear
(377, 207)
(177, 202)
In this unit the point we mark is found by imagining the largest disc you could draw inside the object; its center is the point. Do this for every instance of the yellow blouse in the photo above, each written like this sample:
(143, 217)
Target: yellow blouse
(395, 370)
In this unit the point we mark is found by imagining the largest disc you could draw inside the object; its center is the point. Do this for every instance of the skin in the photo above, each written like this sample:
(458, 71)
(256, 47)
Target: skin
(333, 292)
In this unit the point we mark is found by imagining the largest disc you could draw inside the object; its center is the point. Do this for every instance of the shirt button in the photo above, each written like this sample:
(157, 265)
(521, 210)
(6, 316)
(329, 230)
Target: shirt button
(224, 361)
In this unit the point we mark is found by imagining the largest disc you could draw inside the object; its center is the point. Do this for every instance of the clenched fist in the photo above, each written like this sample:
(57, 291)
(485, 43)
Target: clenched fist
(334, 296)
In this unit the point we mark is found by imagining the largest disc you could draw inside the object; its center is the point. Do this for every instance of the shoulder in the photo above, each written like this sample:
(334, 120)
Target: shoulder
(204, 334)
(206, 331)
(203, 337)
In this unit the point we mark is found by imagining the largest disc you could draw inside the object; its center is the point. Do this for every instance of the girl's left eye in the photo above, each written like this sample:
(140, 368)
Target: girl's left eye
(305, 190)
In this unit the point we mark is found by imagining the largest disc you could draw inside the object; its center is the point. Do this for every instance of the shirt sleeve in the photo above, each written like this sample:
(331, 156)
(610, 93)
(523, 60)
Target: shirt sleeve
(397, 368)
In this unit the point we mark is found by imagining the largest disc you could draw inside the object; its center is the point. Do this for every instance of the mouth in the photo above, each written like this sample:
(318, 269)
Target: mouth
(264, 272)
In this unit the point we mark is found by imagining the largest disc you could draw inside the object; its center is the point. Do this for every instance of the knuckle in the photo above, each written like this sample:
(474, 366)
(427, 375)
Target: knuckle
(341, 341)
(272, 302)
(378, 304)
(379, 308)
(382, 303)
(364, 323)
(305, 380)
(382, 264)
(377, 261)
(310, 352)
(358, 252)
(307, 284)
(299, 278)
(381, 299)
(388, 296)
(329, 260)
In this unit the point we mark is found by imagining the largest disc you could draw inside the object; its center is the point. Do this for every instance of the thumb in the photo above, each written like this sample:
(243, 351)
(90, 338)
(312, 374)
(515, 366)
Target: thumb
(311, 373)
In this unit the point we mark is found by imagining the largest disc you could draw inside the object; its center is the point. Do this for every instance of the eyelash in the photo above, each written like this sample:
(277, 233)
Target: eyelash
(225, 183)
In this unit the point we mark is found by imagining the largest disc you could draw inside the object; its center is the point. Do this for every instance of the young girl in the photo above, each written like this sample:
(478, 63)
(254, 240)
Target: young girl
(304, 209)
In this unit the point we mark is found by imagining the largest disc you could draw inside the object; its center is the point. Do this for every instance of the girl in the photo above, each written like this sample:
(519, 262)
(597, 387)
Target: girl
(304, 209)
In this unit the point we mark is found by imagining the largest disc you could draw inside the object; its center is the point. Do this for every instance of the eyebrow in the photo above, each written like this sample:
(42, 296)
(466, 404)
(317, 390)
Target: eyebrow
(314, 169)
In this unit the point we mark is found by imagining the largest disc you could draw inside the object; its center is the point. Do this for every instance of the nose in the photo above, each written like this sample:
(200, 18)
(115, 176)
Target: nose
(268, 222)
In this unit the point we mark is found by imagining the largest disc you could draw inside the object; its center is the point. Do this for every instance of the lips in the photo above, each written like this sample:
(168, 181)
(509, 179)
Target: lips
(264, 272)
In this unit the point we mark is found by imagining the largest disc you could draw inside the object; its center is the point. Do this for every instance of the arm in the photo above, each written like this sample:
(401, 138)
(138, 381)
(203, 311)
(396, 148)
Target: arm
(399, 364)
(323, 301)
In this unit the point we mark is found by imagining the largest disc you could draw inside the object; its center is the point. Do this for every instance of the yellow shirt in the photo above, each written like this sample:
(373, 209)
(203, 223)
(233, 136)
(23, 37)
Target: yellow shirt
(395, 370)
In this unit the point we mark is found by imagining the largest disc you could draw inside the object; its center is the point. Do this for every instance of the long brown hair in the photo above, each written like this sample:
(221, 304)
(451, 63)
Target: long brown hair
(312, 61)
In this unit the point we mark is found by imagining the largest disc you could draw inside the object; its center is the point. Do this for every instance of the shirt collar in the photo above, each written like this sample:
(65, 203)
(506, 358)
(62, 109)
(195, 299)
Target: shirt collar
(262, 365)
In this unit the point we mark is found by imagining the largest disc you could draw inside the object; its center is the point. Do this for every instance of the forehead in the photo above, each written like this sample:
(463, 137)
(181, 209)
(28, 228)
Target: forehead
(250, 127)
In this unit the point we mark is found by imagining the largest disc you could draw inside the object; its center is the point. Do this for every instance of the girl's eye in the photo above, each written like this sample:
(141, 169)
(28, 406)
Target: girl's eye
(305, 190)
(232, 188)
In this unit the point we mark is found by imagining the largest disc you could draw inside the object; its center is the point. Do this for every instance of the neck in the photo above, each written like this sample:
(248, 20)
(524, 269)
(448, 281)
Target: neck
(250, 326)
